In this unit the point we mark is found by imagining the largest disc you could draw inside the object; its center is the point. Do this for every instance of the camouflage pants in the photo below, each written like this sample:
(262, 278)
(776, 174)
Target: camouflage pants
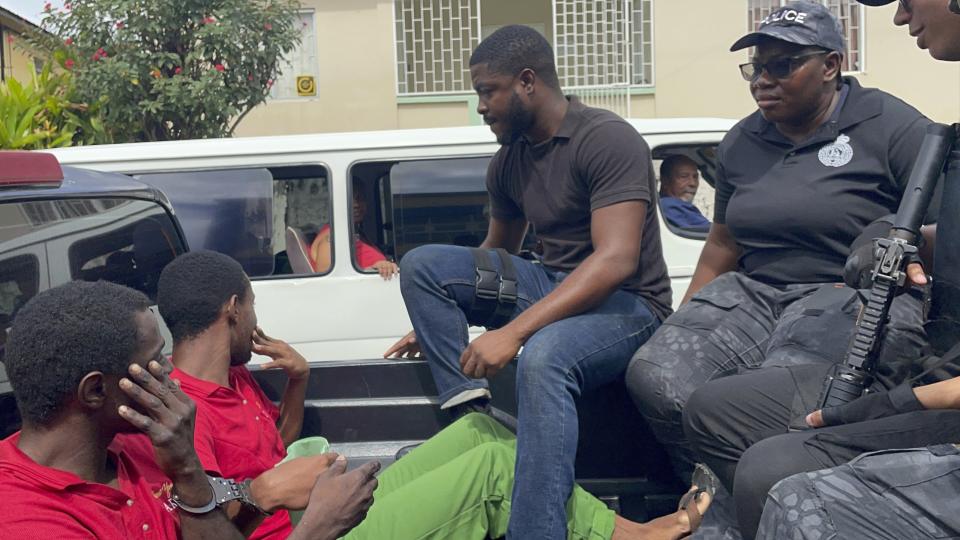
(895, 495)
(738, 426)
(736, 322)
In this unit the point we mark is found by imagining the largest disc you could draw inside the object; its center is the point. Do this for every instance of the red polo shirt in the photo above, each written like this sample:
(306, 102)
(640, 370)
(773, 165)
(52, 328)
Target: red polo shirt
(236, 434)
(42, 502)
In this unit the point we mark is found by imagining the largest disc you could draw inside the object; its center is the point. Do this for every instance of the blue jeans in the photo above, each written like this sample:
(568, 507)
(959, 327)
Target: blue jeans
(555, 365)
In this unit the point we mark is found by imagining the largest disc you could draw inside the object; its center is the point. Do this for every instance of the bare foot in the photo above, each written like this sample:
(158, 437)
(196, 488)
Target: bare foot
(670, 527)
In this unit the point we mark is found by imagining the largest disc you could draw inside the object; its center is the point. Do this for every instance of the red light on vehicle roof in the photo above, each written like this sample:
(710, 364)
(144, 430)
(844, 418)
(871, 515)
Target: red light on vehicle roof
(29, 169)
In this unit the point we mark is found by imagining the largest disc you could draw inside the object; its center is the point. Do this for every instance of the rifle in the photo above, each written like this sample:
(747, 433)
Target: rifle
(891, 255)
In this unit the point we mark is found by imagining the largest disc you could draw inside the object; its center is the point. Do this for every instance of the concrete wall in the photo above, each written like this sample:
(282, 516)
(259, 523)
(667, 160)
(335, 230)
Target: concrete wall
(695, 73)
(17, 62)
(895, 64)
(356, 88)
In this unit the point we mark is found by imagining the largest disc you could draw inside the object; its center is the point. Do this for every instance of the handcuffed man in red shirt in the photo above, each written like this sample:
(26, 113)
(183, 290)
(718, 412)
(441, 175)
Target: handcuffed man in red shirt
(106, 449)
(455, 485)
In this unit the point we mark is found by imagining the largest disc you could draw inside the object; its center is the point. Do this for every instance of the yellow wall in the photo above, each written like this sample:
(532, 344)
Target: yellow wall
(695, 73)
(895, 64)
(530, 12)
(428, 115)
(17, 62)
(356, 87)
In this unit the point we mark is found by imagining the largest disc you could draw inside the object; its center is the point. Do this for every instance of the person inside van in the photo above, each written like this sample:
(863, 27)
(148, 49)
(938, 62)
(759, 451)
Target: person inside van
(106, 449)
(456, 485)
(368, 257)
(679, 181)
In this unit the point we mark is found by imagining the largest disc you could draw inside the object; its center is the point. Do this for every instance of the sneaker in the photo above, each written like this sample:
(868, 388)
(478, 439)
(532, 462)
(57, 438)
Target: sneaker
(483, 406)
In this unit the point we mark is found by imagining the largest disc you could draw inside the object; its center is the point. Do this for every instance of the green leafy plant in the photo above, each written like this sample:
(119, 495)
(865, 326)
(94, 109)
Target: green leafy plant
(171, 69)
(44, 113)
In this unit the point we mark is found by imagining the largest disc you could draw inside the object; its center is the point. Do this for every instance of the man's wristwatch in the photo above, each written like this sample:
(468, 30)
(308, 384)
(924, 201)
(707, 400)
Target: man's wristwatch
(224, 490)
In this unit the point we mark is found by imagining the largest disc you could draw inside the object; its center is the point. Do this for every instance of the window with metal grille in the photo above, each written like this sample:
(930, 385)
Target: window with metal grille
(604, 42)
(434, 40)
(848, 12)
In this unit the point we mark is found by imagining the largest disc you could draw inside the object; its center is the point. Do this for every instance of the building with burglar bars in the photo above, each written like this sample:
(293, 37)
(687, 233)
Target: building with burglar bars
(390, 64)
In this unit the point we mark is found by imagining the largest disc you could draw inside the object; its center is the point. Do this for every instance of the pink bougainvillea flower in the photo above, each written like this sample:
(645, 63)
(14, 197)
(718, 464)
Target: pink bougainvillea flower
(96, 56)
(48, 6)
(267, 26)
(209, 20)
(68, 41)
(249, 77)
(68, 63)
(119, 24)
(219, 67)
(269, 83)
(178, 70)
(68, 6)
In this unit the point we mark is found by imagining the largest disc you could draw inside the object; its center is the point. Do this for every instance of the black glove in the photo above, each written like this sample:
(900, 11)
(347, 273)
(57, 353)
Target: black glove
(858, 270)
(899, 400)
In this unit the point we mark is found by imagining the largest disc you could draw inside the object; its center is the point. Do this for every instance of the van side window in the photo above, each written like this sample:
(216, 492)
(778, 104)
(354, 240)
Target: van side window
(412, 203)
(267, 218)
(302, 220)
(225, 210)
(685, 178)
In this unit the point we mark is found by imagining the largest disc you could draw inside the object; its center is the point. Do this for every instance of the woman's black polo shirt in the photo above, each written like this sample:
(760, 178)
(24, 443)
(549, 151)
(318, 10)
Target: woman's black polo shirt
(795, 209)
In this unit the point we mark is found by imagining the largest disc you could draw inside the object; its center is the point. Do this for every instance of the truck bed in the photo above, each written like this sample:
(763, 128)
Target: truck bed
(370, 409)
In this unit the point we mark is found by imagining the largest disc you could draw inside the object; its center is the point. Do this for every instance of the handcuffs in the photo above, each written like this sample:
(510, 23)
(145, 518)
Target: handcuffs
(224, 490)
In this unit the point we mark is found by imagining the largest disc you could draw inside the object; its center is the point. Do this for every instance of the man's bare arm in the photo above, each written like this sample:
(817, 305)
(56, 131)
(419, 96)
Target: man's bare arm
(285, 357)
(719, 255)
(616, 231)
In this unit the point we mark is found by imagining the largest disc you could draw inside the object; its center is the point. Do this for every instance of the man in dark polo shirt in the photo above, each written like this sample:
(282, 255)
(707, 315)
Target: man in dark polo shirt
(583, 178)
(106, 450)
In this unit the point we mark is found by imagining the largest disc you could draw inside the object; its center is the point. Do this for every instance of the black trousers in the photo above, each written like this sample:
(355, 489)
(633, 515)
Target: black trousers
(738, 425)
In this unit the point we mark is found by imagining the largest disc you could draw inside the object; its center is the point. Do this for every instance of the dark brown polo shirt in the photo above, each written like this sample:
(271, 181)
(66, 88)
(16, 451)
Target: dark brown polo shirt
(596, 159)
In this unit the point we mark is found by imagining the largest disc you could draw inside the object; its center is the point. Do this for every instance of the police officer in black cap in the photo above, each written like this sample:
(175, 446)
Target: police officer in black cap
(887, 494)
(822, 161)
(904, 494)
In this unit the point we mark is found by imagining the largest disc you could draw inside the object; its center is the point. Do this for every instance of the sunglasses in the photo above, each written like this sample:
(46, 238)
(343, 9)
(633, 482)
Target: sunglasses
(778, 68)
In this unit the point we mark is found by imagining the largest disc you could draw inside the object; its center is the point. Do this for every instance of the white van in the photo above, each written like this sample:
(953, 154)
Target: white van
(421, 186)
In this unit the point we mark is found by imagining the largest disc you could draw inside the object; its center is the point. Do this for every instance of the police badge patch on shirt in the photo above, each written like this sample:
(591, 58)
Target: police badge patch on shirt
(836, 154)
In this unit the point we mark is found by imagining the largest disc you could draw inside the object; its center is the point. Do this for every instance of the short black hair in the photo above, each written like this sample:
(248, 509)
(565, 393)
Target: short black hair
(64, 333)
(515, 47)
(670, 162)
(193, 289)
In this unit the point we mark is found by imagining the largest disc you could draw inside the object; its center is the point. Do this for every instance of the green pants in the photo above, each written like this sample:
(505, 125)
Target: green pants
(457, 485)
